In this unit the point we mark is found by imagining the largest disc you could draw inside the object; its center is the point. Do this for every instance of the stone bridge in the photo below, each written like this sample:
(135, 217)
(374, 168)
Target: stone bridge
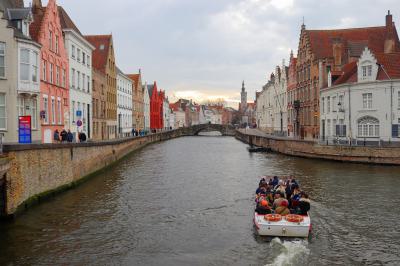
(225, 130)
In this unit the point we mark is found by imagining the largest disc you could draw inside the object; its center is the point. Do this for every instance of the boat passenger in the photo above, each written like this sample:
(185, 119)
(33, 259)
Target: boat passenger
(281, 187)
(294, 199)
(279, 197)
(288, 189)
(283, 209)
(275, 181)
(304, 204)
(263, 208)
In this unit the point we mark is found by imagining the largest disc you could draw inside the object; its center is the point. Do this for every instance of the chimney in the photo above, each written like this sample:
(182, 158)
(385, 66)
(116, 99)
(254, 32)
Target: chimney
(389, 20)
(390, 46)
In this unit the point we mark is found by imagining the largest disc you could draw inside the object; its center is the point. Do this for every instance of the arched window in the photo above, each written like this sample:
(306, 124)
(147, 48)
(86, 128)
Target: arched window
(368, 127)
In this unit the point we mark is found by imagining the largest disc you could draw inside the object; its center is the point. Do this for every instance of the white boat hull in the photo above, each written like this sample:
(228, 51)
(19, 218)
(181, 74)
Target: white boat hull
(282, 228)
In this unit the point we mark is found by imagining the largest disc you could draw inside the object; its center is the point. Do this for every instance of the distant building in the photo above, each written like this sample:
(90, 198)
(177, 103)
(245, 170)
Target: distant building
(246, 111)
(124, 104)
(103, 61)
(138, 102)
(146, 108)
(156, 107)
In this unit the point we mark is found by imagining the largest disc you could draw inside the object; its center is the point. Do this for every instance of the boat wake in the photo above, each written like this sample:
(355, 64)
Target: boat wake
(290, 252)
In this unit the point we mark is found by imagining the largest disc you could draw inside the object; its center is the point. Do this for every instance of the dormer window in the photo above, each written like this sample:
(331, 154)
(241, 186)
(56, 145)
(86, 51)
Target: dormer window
(367, 71)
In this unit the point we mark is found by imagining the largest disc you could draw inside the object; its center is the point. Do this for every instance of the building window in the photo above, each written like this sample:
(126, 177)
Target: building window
(79, 54)
(53, 110)
(367, 71)
(58, 76)
(64, 78)
(57, 44)
(79, 80)
(398, 99)
(73, 51)
(3, 112)
(2, 60)
(83, 81)
(44, 70)
(83, 58)
(35, 67)
(46, 109)
(73, 111)
(24, 65)
(51, 40)
(73, 78)
(368, 127)
(88, 61)
(367, 100)
(328, 104)
(51, 73)
(323, 105)
(59, 110)
(334, 109)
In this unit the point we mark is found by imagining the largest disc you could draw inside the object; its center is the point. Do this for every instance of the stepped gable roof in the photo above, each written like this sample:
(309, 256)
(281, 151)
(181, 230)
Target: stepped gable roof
(66, 21)
(354, 39)
(150, 88)
(34, 28)
(135, 79)
(100, 54)
(390, 62)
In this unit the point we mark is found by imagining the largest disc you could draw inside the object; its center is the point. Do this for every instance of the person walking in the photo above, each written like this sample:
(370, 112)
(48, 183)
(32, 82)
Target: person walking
(70, 137)
(64, 135)
(56, 136)
(82, 137)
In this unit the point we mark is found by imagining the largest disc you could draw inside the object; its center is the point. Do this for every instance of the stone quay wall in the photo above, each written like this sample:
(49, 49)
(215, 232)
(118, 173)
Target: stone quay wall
(310, 149)
(34, 172)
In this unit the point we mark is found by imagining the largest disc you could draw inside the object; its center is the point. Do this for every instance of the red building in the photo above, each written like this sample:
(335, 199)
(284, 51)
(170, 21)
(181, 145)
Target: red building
(54, 82)
(156, 107)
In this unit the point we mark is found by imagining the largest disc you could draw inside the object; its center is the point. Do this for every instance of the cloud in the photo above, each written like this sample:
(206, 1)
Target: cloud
(208, 47)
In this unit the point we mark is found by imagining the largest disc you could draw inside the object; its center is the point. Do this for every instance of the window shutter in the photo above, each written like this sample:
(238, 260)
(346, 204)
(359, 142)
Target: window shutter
(395, 131)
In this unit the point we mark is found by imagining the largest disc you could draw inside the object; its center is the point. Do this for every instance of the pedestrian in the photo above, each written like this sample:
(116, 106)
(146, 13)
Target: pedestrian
(56, 136)
(133, 132)
(82, 137)
(64, 135)
(70, 137)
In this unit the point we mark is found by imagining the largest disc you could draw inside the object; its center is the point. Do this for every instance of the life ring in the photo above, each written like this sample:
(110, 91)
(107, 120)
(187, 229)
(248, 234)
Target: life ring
(294, 218)
(273, 217)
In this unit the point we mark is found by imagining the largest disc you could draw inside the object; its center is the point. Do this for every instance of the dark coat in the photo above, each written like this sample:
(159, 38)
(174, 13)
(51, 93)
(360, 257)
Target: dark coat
(70, 137)
(64, 135)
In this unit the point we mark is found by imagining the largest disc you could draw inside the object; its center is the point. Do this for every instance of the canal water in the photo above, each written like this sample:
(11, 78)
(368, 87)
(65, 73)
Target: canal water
(189, 201)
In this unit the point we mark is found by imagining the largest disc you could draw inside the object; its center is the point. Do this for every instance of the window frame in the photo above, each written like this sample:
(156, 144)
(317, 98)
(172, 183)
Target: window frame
(5, 110)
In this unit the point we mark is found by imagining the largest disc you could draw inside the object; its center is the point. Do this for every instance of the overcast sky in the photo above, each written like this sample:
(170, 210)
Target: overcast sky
(205, 48)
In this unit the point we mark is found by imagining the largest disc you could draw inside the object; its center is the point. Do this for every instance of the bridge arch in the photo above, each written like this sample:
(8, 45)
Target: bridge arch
(225, 130)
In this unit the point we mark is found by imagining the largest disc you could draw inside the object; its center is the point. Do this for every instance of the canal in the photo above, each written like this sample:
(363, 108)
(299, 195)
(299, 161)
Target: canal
(189, 201)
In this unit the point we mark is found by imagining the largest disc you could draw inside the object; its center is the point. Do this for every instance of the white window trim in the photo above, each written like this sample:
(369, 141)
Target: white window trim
(53, 111)
(46, 119)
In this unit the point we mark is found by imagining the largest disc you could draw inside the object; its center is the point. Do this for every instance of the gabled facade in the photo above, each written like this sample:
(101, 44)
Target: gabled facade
(146, 108)
(324, 51)
(19, 71)
(363, 105)
(54, 87)
(103, 61)
(138, 101)
(80, 68)
(156, 107)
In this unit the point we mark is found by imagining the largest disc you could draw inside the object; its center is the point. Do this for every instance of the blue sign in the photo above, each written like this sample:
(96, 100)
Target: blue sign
(78, 113)
(25, 129)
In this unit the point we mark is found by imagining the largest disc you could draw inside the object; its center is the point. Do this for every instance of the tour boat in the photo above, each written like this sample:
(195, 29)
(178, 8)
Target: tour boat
(284, 226)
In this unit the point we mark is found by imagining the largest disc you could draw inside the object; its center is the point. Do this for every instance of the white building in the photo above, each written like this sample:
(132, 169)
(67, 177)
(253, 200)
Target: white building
(166, 114)
(124, 104)
(19, 72)
(363, 103)
(146, 108)
(264, 109)
(80, 69)
(279, 103)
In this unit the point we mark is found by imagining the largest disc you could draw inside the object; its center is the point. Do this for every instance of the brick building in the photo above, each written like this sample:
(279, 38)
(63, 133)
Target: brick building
(54, 87)
(103, 60)
(324, 51)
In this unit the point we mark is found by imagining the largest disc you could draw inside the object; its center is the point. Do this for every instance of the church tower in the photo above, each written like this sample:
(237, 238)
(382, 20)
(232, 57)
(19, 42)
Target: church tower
(243, 102)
